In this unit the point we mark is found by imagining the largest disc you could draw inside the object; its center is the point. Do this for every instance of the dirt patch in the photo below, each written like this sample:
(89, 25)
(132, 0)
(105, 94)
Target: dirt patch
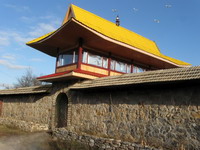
(9, 131)
(15, 139)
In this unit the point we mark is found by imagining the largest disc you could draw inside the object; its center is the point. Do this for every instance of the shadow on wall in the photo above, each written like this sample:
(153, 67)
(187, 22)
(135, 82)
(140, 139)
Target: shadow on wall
(26, 98)
(61, 110)
(163, 116)
(174, 95)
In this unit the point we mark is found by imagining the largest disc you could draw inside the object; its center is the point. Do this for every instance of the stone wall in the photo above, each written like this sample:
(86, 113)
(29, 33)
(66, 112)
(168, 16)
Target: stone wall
(30, 126)
(162, 116)
(28, 112)
(34, 112)
(95, 142)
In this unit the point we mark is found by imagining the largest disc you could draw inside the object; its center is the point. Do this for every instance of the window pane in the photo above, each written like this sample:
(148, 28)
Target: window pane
(94, 60)
(112, 64)
(85, 57)
(105, 62)
(119, 66)
(128, 69)
(135, 69)
(140, 69)
(60, 60)
(75, 56)
(68, 58)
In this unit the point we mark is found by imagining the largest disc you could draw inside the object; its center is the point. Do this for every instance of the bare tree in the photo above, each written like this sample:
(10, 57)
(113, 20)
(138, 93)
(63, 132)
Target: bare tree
(29, 79)
(5, 86)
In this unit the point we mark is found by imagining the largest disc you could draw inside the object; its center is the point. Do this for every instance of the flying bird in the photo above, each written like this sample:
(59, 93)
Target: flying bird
(168, 6)
(135, 9)
(114, 10)
(156, 21)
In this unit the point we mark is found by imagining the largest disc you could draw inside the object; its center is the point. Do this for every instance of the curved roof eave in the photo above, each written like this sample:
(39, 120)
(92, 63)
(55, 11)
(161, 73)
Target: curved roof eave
(161, 57)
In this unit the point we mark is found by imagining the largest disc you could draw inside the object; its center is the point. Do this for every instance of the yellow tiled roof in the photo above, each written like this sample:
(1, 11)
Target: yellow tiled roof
(118, 33)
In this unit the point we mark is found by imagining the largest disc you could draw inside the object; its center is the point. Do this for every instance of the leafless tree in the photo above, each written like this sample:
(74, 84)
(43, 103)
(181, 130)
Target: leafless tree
(29, 79)
(5, 86)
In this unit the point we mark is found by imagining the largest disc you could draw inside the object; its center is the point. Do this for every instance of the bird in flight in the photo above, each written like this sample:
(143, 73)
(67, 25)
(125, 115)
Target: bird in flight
(168, 6)
(114, 10)
(135, 9)
(156, 21)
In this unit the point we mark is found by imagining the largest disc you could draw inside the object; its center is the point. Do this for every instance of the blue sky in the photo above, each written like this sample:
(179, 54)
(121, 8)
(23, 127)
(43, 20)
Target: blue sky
(172, 24)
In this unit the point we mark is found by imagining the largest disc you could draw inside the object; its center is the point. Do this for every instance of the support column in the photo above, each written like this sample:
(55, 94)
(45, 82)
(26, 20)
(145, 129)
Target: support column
(132, 66)
(57, 55)
(80, 53)
(109, 63)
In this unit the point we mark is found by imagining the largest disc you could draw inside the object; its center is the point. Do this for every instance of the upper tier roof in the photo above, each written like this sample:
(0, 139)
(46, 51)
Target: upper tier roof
(117, 33)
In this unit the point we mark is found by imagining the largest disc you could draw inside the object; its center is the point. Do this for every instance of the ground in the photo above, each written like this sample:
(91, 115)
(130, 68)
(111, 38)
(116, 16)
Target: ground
(14, 139)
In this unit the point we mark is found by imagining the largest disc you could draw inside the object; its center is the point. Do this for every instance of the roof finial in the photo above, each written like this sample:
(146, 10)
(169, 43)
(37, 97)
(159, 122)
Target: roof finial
(117, 21)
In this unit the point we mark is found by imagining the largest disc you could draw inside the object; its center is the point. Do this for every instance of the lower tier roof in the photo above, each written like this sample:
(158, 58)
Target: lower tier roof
(159, 76)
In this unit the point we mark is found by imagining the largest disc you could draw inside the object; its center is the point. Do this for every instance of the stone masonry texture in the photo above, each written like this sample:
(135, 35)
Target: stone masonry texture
(28, 112)
(95, 142)
(163, 116)
(160, 116)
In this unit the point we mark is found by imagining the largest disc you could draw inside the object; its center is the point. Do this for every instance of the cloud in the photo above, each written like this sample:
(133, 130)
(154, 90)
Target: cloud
(46, 18)
(36, 60)
(17, 8)
(41, 29)
(10, 65)
(4, 41)
(43, 25)
(19, 37)
(9, 37)
(9, 57)
(27, 19)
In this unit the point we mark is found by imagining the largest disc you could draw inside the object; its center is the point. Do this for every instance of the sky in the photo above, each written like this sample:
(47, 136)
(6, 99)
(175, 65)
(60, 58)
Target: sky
(172, 24)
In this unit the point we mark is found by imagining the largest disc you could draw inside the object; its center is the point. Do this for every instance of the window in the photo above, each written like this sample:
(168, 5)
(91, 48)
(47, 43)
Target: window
(60, 60)
(67, 58)
(137, 69)
(85, 54)
(105, 62)
(112, 65)
(120, 66)
(128, 69)
(96, 60)
(115, 65)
